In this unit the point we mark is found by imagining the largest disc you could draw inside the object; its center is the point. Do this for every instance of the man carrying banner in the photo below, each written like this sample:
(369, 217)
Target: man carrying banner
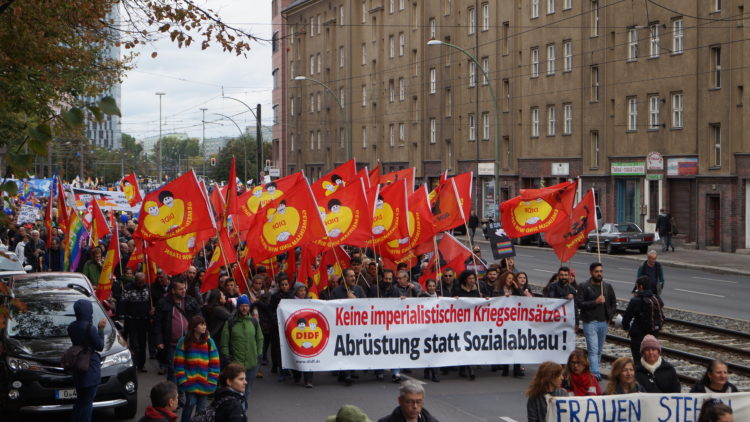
(597, 303)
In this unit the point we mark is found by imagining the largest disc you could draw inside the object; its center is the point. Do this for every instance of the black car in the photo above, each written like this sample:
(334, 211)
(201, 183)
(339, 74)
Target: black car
(34, 340)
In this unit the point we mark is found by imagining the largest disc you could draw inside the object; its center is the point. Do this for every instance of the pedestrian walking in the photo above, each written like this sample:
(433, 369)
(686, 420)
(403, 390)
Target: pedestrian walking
(164, 403)
(643, 316)
(242, 341)
(597, 303)
(547, 382)
(83, 333)
(666, 227)
(196, 363)
(473, 224)
(655, 374)
(652, 269)
(135, 307)
(229, 399)
(715, 380)
(410, 405)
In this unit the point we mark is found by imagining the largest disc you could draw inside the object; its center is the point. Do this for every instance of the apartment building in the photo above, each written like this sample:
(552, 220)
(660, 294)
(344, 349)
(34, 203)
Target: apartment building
(641, 100)
(279, 73)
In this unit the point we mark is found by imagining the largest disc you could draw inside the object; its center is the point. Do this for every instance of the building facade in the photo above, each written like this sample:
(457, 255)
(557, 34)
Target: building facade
(280, 76)
(643, 103)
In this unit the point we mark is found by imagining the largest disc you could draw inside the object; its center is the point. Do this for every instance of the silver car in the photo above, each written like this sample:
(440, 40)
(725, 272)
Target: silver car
(618, 237)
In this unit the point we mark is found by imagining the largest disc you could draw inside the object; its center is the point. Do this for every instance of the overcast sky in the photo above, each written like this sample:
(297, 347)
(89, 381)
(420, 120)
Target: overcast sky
(192, 79)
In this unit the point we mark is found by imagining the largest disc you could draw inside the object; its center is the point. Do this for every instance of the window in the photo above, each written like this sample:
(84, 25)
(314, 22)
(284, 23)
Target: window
(550, 7)
(716, 63)
(551, 59)
(567, 119)
(401, 43)
(275, 76)
(312, 65)
(594, 18)
(677, 106)
(364, 136)
(401, 89)
(506, 95)
(486, 68)
(292, 69)
(402, 133)
(551, 120)
(401, 4)
(320, 139)
(433, 29)
(312, 27)
(448, 103)
(472, 127)
(506, 33)
(291, 142)
(716, 144)
(567, 4)
(568, 56)
(472, 14)
(678, 36)
(485, 126)
(448, 7)
(342, 140)
(433, 80)
(312, 103)
(485, 16)
(312, 140)
(594, 83)
(535, 62)
(275, 42)
(275, 114)
(364, 54)
(717, 5)
(534, 9)
(433, 131)
(535, 122)
(341, 15)
(653, 112)
(391, 6)
(318, 31)
(392, 135)
(391, 91)
(632, 44)
(291, 106)
(364, 95)
(364, 12)
(341, 56)
(632, 114)
(320, 96)
(341, 96)
(320, 62)
(391, 47)
(472, 74)
(654, 44)
(594, 149)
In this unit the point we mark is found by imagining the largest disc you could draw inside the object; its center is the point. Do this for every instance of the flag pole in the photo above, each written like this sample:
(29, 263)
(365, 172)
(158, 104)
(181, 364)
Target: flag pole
(598, 249)
(438, 267)
(148, 270)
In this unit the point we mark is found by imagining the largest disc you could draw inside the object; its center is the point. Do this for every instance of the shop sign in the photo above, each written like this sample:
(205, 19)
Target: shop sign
(685, 166)
(635, 168)
(657, 176)
(654, 161)
(560, 169)
(486, 169)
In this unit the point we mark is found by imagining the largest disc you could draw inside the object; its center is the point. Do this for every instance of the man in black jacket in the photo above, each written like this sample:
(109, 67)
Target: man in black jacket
(597, 303)
(638, 316)
(135, 307)
(171, 320)
(665, 230)
(34, 251)
(410, 405)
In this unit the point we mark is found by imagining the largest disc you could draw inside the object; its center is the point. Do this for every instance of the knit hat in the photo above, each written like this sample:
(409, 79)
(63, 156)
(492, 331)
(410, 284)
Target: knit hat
(298, 286)
(650, 342)
(349, 413)
(243, 300)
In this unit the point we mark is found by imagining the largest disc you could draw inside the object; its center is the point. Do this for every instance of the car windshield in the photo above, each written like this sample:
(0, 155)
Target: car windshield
(47, 281)
(45, 318)
(10, 262)
(627, 227)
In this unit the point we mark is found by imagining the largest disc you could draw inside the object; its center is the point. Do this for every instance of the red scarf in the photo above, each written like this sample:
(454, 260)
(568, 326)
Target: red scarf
(582, 384)
(160, 413)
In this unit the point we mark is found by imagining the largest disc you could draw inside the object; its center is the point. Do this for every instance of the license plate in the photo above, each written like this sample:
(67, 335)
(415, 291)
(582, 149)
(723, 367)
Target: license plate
(65, 394)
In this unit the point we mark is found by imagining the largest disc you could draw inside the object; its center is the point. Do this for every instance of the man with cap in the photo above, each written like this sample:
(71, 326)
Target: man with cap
(242, 341)
(654, 373)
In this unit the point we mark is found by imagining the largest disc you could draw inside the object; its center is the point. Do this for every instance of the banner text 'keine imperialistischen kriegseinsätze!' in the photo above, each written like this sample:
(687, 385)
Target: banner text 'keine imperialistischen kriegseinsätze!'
(423, 332)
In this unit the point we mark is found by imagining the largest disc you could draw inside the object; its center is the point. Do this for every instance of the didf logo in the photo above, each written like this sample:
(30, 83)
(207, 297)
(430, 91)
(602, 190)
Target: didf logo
(307, 332)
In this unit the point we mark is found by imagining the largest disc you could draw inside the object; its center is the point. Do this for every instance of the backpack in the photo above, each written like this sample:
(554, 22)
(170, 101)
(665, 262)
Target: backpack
(208, 414)
(77, 357)
(653, 317)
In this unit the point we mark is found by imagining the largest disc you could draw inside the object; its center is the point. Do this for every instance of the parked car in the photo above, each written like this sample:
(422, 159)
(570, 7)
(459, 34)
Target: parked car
(617, 237)
(35, 338)
(10, 265)
(49, 279)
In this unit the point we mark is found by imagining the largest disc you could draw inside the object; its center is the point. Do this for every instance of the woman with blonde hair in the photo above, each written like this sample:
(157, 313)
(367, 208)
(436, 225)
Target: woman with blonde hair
(578, 378)
(622, 378)
(546, 382)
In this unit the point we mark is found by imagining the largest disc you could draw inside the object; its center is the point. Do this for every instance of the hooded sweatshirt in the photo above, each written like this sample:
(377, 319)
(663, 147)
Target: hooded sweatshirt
(83, 332)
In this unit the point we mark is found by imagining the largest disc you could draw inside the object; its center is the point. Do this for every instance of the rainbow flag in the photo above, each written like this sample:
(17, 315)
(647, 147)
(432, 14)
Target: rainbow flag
(75, 240)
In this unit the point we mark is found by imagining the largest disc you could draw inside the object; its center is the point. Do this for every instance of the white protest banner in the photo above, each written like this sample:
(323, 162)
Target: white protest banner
(645, 407)
(115, 200)
(423, 332)
(28, 214)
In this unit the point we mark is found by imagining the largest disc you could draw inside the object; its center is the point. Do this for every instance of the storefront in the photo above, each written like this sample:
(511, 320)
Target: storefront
(487, 188)
(628, 190)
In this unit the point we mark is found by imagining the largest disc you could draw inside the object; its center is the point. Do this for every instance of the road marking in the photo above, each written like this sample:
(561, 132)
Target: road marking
(413, 379)
(507, 419)
(525, 256)
(716, 279)
(619, 281)
(626, 269)
(544, 271)
(699, 293)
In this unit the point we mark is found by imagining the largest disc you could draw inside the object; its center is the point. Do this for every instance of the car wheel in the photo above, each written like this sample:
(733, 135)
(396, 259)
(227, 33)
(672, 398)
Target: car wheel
(610, 249)
(643, 249)
(128, 411)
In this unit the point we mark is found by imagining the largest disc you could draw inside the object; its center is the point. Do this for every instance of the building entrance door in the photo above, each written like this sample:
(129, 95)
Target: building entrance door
(713, 223)
(628, 200)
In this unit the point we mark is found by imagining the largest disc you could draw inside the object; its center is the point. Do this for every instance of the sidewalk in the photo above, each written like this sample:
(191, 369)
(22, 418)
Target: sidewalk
(698, 259)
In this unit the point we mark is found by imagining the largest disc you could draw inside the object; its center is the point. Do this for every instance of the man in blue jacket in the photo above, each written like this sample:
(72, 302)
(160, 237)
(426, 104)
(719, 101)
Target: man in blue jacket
(83, 333)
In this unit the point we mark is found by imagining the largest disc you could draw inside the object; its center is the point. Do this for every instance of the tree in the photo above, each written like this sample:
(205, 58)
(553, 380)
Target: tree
(237, 147)
(176, 153)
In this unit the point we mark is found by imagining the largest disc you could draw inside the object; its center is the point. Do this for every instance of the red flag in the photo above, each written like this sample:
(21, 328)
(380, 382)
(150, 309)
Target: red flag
(335, 180)
(450, 249)
(536, 210)
(213, 271)
(177, 209)
(407, 174)
(451, 202)
(290, 267)
(390, 211)
(257, 198)
(347, 217)
(567, 236)
(175, 254)
(136, 256)
(217, 202)
(232, 204)
(129, 186)
(104, 286)
(374, 176)
(94, 222)
(290, 220)
(62, 208)
(48, 217)
(420, 224)
(430, 272)
(364, 175)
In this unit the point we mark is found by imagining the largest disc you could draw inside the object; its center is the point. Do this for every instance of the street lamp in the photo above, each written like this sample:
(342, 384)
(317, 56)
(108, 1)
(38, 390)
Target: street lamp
(244, 144)
(258, 135)
(494, 104)
(341, 109)
(160, 94)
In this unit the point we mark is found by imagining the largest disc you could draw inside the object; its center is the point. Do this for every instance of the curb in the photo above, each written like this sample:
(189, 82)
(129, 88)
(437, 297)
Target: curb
(676, 264)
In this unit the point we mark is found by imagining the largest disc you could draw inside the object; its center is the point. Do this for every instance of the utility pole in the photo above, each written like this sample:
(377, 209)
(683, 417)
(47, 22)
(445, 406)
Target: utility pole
(160, 94)
(203, 142)
(259, 142)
